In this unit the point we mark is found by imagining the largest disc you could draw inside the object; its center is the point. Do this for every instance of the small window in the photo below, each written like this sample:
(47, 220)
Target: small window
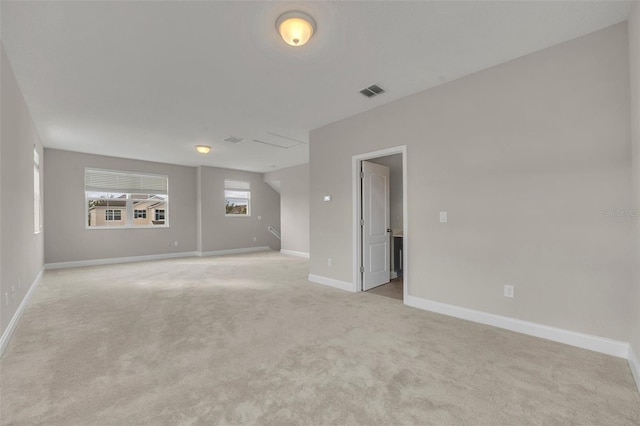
(116, 199)
(237, 194)
(111, 214)
(37, 194)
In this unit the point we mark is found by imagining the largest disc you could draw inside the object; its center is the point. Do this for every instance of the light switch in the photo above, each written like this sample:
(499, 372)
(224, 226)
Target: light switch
(443, 217)
(327, 198)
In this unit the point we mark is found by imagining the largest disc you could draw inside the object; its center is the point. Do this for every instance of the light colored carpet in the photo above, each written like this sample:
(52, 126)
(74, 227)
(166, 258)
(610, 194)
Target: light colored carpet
(248, 340)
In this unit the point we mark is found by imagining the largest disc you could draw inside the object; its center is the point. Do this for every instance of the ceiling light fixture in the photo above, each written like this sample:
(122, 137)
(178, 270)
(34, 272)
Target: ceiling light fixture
(295, 27)
(203, 149)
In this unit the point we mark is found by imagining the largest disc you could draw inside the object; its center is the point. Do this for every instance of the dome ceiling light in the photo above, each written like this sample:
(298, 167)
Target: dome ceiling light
(203, 149)
(295, 27)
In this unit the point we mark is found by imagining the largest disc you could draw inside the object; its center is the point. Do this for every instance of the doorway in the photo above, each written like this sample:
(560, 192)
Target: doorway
(366, 239)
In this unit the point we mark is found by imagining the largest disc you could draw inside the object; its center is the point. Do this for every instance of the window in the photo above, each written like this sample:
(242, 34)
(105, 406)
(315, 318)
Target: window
(110, 214)
(115, 199)
(37, 197)
(237, 194)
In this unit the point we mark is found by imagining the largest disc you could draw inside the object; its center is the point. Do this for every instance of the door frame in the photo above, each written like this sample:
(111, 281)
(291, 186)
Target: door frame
(356, 192)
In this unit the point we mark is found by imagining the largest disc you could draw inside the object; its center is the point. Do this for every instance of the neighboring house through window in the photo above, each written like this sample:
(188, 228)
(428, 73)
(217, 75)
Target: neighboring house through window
(116, 199)
(237, 194)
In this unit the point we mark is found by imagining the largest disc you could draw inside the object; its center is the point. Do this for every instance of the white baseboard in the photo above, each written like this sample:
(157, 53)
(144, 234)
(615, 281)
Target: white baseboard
(634, 364)
(112, 260)
(8, 332)
(233, 251)
(586, 341)
(342, 285)
(295, 253)
(109, 261)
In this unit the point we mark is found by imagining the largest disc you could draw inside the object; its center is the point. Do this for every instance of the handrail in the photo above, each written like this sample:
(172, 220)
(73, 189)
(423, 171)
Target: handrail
(274, 231)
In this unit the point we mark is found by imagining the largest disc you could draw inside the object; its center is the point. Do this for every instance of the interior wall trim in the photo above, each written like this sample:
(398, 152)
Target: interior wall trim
(8, 332)
(342, 285)
(586, 341)
(634, 364)
(295, 253)
(113, 260)
(233, 251)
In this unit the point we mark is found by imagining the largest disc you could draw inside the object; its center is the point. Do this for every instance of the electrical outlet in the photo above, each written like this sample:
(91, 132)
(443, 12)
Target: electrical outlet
(329, 262)
(175, 243)
(13, 292)
(255, 239)
(508, 291)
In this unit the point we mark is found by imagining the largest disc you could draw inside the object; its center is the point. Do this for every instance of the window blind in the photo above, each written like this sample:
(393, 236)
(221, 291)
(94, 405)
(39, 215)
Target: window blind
(237, 184)
(97, 180)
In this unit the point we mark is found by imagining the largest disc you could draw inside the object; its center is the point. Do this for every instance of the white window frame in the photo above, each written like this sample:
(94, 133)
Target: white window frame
(131, 187)
(241, 186)
(112, 212)
(37, 193)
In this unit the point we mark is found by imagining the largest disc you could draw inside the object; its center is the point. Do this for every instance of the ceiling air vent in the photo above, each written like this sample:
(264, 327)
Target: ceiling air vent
(233, 139)
(372, 91)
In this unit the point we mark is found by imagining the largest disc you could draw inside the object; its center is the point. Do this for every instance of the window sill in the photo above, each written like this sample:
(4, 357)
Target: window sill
(128, 227)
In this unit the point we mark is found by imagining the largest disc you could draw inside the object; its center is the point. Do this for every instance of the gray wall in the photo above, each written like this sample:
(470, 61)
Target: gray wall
(196, 212)
(220, 232)
(634, 61)
(294, 206)
(21, 251)
(67, 239)
(526, 157)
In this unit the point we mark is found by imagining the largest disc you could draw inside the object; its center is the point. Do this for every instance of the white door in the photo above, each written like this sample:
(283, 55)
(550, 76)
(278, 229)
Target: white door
(375, 225)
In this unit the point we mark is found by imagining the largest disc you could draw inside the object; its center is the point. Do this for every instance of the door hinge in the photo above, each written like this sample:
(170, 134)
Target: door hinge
(361, 175)
(362, 269)
(361, 222)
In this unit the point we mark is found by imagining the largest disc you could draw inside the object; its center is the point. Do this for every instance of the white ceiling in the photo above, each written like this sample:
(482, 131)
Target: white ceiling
(149, 80)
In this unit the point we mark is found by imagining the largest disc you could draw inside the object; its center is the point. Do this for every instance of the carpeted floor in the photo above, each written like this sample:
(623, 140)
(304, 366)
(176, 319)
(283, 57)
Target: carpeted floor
(248, 340)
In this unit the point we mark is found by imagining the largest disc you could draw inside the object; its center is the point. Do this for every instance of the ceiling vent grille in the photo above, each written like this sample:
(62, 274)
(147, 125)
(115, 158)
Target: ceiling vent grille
(233, 139)
(372, 91)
